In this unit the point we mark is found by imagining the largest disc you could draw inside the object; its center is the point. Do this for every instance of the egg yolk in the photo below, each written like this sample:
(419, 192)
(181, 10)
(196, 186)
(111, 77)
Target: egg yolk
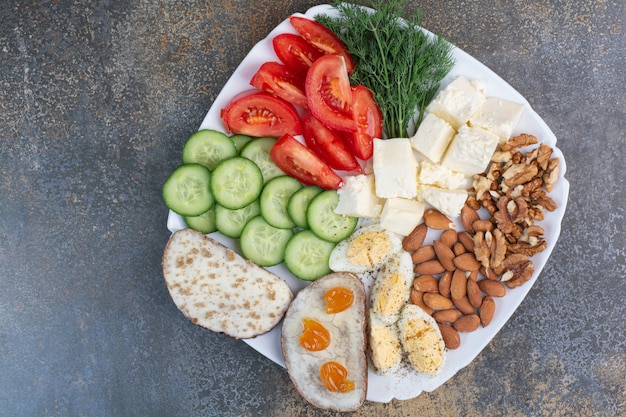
(390, 295)
(369, 249)
(338, 299)
(315, 336)
(335, 377)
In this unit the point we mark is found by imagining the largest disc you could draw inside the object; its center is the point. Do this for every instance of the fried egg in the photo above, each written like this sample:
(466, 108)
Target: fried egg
(392, 287)
(323, 340)
(368, 248)
(385, 350)
(421, 340)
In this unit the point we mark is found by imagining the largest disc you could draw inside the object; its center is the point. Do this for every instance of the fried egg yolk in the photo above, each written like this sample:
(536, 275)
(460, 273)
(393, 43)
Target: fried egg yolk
(335, 377)
(315, 336)
(338, 299)
(369, 249)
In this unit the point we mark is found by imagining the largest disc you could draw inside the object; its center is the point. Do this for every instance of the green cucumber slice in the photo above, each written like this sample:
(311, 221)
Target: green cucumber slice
(204, 223)
(306, 255)
(240, 141)
(274, 199)
(231, 222)
(236, 182)
(324, 222)
(258, 151)
(186, 191)
(208, 147)
(262, 243)
(298, 203)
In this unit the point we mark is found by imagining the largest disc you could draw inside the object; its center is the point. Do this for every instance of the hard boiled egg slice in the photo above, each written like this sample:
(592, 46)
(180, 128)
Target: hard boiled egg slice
(392, 287)
(421, 340)
(384, 345)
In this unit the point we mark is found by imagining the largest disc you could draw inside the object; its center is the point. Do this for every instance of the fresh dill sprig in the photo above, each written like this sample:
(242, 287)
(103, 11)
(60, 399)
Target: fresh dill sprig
(394, 57)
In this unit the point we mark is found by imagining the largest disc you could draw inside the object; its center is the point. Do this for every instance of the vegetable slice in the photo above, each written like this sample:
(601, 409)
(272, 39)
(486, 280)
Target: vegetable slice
(328, 145)
(277, 79)
(264, 244)
(306, 255)
(186, 191)
(295, 52)
(236, 182)
(369, 121)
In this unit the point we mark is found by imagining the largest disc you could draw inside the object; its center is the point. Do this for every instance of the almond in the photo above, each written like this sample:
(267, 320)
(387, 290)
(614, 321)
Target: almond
(431, 267)
(417, 298)
(482, 226)
(467, 323)
(486, 310)
(426, 283)
(449, 315)
(488, 273)
(450, 336)
(425, 253)
(468, 217)
(444, 255)
(448, 237)
(466, 240)
(467, 262)
(458, 249)
(464, 305)
(458, 286)
(492, 288)
(415, 239)
(437, 220)
(473, 293)
(444, 283)
(437, 301)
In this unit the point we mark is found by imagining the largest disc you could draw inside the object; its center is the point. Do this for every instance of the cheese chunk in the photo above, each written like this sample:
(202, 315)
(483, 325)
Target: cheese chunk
(395, 168)
(498, 116)
(439, 175)
(432, 137)
(401, 215)
(357, 197)
(449, 202)
(470, 150)
(457, 102)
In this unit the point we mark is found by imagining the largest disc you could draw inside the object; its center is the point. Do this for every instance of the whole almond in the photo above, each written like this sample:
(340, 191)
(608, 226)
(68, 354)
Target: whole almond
(464, 305)
(425, 253)
(437, 220)
(444, 283)
(468, 217)
(473, 293)
(467, 262)
(458, 248)
(431, 267)
(466, 240)
(451, 337)
(486, 310)
(449, 315)
(448, 237)
(415, 239)
(467, 323)
(417, 298)
(444, 255)
(458, 286)
(426, 283)
(482, 226)
(492, 288)
(437, 301)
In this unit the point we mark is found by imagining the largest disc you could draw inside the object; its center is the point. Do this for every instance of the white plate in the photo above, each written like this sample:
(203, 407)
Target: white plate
(405, 384)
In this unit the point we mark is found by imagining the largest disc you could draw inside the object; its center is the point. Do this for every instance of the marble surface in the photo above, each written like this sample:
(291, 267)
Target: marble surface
(96, 100)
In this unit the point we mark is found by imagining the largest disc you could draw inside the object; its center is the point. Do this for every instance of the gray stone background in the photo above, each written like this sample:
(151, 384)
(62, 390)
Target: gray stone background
(96, 100)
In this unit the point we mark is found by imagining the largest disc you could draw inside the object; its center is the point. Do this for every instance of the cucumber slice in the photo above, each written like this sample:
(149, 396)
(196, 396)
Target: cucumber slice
(186, 191)
(298, 203)
(236, 182)
(208, 147)
(240, 141)
(264, 244)
(306, 255)
(204, 223)
(258, 151)
(274, 199)
(324, 222)
(231, 222)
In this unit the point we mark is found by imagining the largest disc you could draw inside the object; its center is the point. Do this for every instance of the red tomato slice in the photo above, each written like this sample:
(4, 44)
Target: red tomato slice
(369, 120)
(328, 145)
(277, 79)
(300, 162)
(328, 93)
(261, 114)
(322, 38)
(295, 52)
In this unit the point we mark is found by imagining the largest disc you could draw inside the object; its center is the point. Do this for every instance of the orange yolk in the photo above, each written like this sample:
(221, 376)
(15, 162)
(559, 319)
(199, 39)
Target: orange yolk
(315, 336)
(338, 299)
(335, 377)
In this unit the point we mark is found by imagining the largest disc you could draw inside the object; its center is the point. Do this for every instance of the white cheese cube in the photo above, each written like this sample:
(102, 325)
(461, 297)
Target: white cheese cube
(395, 168)
(457, 102)
(401, 215)
(432, 137)
(439, 175)
(470, 150)
(498, 116)
(449, 202)
(357, 197)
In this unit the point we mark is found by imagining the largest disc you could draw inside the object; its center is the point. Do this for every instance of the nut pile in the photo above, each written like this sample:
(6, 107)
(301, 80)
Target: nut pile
(459, 274)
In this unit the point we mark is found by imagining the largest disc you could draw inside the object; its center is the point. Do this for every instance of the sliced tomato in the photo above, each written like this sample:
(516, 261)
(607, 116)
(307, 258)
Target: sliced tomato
(298, 161)
(322, 38)
(369, 121)
(328, 93)
(328, 145)
(277, 79)
(295, 52)
(261, 114)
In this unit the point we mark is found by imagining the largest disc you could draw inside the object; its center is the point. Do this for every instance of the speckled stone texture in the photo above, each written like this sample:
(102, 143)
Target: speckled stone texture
(96, 100)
